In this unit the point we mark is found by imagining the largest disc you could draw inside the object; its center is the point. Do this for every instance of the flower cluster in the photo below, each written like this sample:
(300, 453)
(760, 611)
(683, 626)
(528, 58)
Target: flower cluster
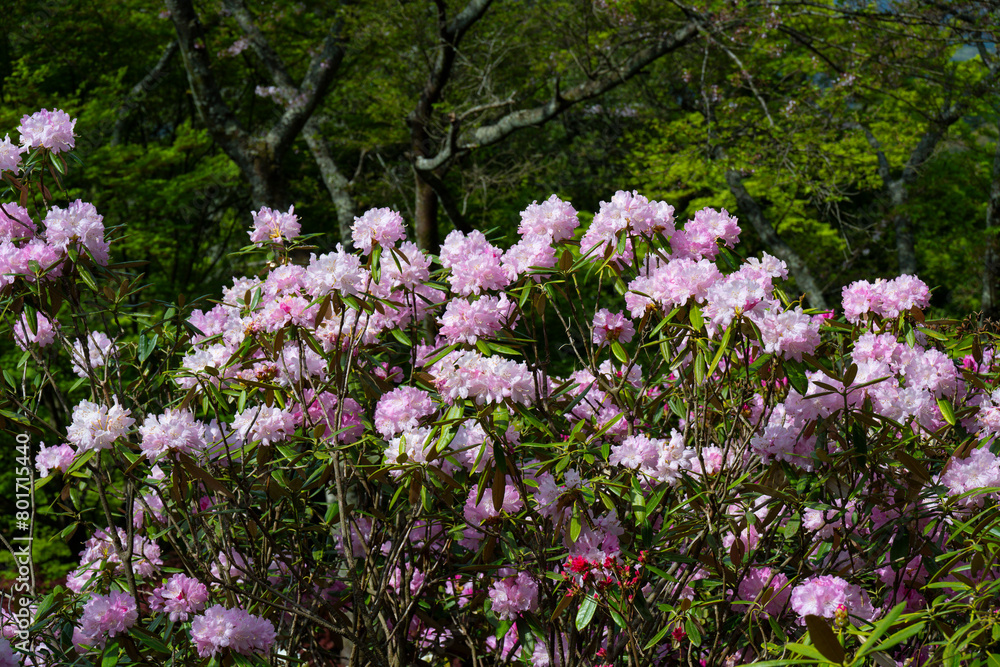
(235, 629)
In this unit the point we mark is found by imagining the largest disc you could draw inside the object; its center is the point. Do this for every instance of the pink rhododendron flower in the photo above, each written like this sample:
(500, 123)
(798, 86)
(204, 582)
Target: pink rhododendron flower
(274, 226)
(663, 460)
(47, 129)
(378, 225)
(179, 596)
(477, 513)
(236, 629)
(50, 459)
(7, 657)
(513, 595)
(176, 430)
(474, 263)
(100, 548)
(769, 589)
(105, 616)
(335, 271)
(484, 379)
(98, 426)
(406, 266)
(79, 223)
(627, 213)
(887, 298)
(788, 333)
(15, 222)
(10, 155)
(99, 347)
(401, 410)
(44, 331)
(608, 326)
(553, 217)
(979, 470)
(533, 251)
(155, 504)
(263, 423)
(466, 322)
(670, 284)
(699, 238)
(821, 596)
(322, 409)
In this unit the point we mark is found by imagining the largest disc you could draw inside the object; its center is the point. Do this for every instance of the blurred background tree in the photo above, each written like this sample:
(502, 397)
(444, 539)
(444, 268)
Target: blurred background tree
(852, 139)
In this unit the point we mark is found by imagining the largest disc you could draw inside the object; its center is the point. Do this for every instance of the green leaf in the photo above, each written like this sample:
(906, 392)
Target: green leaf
(718, 353)
(656, 640)
(146, 346)
(693, 633)
(946, 411)
(586, 612)
(881, 628)
(796, 376)
(87, 277)
(901, 636)
(619, 352)
(574, 528)
(697, 321)
(376, 264)
(401, 336)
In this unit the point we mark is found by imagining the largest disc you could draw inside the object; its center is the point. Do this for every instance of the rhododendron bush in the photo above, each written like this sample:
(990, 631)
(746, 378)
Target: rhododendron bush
(619, 445)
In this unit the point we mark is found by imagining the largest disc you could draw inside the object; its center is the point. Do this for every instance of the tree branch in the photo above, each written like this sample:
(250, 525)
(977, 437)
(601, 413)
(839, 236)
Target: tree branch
(139, 91)
(751, 211)
(517, 120)
(315, 83)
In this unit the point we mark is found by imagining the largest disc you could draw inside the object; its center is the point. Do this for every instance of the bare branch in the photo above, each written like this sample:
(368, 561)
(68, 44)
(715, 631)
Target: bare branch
(490, 134)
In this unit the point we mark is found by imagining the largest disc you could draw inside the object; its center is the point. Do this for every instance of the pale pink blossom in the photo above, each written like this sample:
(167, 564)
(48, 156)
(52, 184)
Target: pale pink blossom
(467, 321)
(40, 331)
(10, 155)
(219, 628)
(401, 410)
(511, 596)
(268, 425)
(474, 263)
(769, 590)
(533, 251)
(80, 223)
(886, 298)
(47, 129)
(99, 349)
(980, 470)
(105, 616)
(274, 226)
(15, 222)
(175, 430)
(608, 326)
(50, 459)
(699, 238)
(179, 596)
(821, 596)
(98, 426)
(553, 217)
(378, 225)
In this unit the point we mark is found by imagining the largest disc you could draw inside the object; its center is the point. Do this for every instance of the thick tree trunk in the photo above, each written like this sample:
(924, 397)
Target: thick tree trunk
(751, 211)
(991, 255)
(906, 251)
(425, 223)
(336, 183)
